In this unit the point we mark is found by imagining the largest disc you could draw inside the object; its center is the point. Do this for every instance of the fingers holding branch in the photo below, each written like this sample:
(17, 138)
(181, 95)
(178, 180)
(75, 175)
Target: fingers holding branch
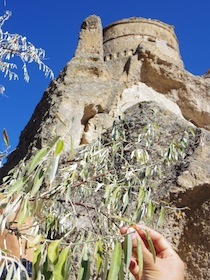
(161, 245)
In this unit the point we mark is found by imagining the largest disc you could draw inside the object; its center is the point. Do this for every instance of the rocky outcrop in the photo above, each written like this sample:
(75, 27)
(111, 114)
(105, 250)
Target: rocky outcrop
(84, 88)
(131, 55)
(130, 62)
(185, 184)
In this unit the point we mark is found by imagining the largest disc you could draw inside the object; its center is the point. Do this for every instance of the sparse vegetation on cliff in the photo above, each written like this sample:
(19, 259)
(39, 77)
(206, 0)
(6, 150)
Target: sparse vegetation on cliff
(79, 204)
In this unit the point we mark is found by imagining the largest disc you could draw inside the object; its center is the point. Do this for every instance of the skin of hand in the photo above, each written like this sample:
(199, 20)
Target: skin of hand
(10, 242)
(168, 265)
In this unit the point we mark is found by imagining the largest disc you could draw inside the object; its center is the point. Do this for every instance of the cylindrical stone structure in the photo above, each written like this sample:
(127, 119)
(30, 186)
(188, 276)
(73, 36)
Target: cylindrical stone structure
(127, 34)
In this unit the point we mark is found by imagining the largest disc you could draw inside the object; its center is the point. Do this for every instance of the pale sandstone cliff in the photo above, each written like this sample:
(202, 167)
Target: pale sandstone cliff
(132, 61)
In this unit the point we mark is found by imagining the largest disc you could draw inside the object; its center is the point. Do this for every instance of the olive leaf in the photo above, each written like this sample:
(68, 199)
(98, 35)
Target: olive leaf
(127, 248)
(6, 138)
(151, 245)
(115, 262)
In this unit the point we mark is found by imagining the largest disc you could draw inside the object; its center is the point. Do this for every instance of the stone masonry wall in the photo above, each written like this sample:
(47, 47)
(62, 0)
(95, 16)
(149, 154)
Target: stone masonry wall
(123, 38)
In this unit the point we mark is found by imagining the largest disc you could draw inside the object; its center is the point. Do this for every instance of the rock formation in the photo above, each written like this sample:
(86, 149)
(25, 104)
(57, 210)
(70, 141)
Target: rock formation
(129, 62)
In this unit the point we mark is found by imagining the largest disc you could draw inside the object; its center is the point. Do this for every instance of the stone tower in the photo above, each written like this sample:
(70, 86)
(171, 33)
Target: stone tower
(127, 37)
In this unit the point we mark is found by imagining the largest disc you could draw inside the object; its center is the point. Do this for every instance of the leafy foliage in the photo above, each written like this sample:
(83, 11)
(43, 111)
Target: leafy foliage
(15, 45)
(79, 204)
(4, 154)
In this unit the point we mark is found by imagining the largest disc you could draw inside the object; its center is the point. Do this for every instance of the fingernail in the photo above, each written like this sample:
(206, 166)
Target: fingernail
(131, 229)
(123, 230)
(132, 265)
(132, 232)
(139, 226)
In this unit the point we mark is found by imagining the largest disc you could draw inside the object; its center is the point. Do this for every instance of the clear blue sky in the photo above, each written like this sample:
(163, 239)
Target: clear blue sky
(54, 26)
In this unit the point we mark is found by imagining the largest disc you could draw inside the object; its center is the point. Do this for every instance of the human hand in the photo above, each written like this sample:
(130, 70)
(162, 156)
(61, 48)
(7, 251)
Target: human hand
(168, 265)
